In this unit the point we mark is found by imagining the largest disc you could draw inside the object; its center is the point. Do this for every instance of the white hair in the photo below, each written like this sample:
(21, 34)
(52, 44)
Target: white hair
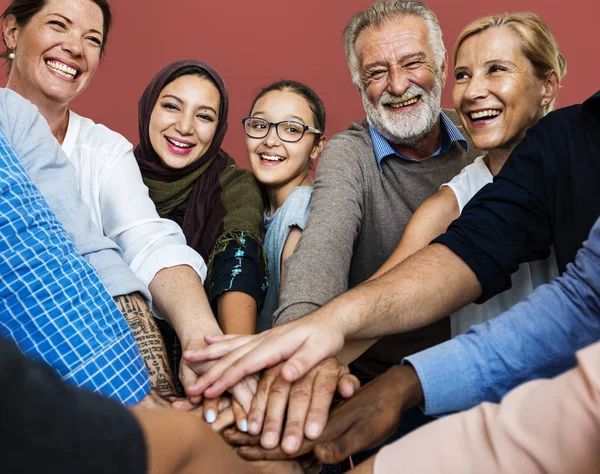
(383, 11)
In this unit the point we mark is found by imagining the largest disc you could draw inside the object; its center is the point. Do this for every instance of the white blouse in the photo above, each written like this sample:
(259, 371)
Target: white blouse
(529, 275)
(111, 185)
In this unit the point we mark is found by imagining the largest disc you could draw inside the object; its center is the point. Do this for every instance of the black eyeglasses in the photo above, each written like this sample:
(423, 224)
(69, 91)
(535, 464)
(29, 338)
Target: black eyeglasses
(288, 131)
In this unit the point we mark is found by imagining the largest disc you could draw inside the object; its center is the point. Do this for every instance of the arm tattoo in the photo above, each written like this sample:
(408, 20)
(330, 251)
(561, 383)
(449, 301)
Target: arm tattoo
(149, 341)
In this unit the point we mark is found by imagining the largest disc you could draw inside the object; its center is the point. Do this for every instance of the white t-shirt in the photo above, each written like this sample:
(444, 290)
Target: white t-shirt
(529, 275)
(111, 185)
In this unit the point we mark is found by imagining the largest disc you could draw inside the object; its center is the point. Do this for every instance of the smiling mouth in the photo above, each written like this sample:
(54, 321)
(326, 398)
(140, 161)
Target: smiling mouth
(271, 158)
(62, 69)
(484, 115)
(179, 144)
(406, 103)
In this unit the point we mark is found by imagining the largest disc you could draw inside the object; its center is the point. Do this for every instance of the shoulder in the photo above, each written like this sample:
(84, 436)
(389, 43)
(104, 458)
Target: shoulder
(295, 210)
(16, 112)
(351, 142)
(232, 175)
(97, 137)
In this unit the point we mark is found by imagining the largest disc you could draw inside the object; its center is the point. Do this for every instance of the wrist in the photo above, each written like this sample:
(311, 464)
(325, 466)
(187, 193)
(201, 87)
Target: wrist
(406, 385)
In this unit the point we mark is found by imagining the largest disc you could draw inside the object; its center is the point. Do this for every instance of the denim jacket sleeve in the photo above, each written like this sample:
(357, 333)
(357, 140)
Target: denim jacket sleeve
(535, 338)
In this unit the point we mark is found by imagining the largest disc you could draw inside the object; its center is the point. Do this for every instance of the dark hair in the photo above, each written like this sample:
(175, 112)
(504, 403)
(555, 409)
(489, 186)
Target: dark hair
(314, 101)
(24, 10)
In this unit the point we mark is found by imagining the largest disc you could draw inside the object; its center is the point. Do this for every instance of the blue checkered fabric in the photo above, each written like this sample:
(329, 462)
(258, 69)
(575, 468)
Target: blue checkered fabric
(52, 303)
(450, 134)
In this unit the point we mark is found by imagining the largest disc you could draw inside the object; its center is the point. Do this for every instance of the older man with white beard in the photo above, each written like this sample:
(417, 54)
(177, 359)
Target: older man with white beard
(372, 177)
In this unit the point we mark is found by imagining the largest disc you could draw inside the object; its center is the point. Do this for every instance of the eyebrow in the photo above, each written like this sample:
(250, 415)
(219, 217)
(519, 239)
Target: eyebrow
(174, 97)
(70, 23)
(299, 119)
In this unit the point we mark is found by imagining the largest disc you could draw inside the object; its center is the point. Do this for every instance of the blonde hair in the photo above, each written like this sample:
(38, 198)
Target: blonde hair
(538, 44)
(383, 11)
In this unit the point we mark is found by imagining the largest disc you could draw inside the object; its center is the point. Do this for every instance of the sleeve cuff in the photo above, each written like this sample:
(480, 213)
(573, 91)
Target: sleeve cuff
(448, 377)
(118, 372)
(293, 313)
(166, 257)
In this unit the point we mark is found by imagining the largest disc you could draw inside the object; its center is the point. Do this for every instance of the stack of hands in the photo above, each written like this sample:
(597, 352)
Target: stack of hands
(282, 384)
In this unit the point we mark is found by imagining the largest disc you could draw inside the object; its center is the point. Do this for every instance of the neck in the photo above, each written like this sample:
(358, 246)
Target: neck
(278, 194)
(56, 114)
(425, 147)
(495, 159)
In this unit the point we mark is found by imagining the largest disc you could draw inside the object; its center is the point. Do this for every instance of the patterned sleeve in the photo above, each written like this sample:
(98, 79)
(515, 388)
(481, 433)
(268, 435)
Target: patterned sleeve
(239, 265)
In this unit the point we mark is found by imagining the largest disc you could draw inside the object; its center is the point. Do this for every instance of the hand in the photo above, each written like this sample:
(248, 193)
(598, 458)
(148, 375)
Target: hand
(303, 344)
(307, 400)
(362, 422)
(154, 401)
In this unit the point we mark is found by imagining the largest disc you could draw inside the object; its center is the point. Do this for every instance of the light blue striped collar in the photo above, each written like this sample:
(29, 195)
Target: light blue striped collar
(450, 134)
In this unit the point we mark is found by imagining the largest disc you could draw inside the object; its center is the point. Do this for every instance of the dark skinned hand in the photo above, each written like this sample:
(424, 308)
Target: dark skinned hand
(362, 422)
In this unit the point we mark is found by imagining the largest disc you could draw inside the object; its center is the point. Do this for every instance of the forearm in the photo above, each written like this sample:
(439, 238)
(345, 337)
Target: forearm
(434, 283)
(178, 294)
(237, 313)
(149, 341)
(178, 443)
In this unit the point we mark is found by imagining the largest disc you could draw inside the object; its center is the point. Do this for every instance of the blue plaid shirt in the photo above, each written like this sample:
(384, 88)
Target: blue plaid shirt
(52, 303)
(450, 134)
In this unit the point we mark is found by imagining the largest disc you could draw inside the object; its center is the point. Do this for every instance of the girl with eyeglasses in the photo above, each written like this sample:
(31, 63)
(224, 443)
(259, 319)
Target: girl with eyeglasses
(284, 137)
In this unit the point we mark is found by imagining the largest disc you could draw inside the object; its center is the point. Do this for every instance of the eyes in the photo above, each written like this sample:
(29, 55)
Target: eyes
(61, 27)
(493, 70)
(171, 107)
(379, 73)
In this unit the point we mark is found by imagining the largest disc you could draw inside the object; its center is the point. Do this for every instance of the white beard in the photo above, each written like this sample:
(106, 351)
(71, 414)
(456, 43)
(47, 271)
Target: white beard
(405, 128)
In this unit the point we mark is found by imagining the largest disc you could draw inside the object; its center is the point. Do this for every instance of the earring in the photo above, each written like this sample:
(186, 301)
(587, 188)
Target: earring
(12, 55)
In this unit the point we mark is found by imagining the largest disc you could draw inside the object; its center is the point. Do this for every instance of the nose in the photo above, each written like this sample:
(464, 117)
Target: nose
(272, 139)
(184, 124)
(73, 45)
(398, 82)
(476, 88)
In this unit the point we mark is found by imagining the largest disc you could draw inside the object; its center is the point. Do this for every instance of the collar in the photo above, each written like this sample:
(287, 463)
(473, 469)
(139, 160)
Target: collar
(450, 134)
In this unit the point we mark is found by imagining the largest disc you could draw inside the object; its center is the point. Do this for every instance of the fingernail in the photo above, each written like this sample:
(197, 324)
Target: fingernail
(211, 416)
(313, 429)
(269, 440)
(289, 444)
(254, 428)
(244, 426)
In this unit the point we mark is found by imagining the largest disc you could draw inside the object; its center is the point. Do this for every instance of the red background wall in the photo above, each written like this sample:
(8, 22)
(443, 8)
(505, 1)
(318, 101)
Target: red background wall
(305, 46)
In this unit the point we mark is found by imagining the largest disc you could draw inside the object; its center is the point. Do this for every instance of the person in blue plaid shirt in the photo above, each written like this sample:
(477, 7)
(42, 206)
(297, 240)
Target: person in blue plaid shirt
(52, 302)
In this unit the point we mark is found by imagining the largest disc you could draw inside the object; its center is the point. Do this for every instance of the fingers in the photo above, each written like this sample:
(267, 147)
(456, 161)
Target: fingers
(241, 419)
(261, 397)
(278, 400)
(324, 387)
(219, 347)
(226, 419)
(348, 385)
(189, 378)
(236, 438)
(244, 391)
(299, 402)
(335, 451)
(257, 453)
(307, 356)
(211, 409)
(182, 404)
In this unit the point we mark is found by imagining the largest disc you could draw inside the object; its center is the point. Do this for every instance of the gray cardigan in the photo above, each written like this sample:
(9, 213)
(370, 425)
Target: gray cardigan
(357, 217)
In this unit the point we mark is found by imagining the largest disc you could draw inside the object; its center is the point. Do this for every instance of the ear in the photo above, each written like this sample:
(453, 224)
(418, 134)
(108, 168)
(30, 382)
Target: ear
(318, 148)
(444, 70)
(550, 89)
(10, 32)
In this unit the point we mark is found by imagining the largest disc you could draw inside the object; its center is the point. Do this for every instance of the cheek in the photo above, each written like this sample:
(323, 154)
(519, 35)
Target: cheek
(207, 133)
(373, 92)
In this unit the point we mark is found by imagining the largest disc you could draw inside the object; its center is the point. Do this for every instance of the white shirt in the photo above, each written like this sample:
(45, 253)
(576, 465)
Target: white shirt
(529, 275)
(111, 185)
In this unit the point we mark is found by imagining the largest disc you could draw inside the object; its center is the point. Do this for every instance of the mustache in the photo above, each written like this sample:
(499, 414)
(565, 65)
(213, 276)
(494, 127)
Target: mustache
(413, 91)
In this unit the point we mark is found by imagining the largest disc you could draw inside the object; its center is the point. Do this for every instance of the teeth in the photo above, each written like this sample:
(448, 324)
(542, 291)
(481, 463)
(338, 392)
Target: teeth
(271, 157)
(484, 113)
(179, 144)
(405, 103)
(62, 69)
